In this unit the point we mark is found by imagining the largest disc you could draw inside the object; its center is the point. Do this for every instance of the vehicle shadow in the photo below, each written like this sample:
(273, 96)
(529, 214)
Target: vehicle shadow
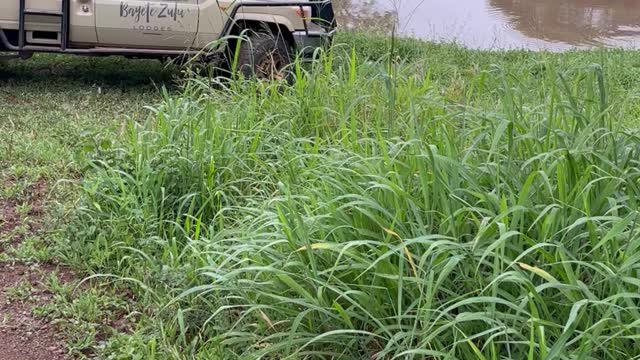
(51, 72)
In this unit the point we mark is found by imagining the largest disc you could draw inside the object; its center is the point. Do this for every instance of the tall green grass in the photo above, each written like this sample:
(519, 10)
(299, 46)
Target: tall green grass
(373, 211)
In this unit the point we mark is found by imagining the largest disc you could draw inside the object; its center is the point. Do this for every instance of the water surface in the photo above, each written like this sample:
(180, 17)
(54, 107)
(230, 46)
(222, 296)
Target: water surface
(500, 24)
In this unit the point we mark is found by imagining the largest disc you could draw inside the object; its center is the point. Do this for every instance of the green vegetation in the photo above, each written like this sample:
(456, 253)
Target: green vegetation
(52, 108)
(49, 103)
(436, 203)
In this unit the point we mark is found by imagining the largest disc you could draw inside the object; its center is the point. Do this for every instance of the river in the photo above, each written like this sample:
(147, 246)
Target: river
(501, 24)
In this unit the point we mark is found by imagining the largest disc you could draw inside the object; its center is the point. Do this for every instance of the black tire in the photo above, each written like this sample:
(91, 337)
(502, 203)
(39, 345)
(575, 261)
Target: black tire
(264, 56)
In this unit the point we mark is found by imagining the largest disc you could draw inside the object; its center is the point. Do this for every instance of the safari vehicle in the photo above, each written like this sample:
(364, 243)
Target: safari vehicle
(276, 29)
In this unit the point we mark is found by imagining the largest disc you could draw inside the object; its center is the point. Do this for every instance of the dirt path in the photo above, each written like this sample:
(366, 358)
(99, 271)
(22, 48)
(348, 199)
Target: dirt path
(23, 336)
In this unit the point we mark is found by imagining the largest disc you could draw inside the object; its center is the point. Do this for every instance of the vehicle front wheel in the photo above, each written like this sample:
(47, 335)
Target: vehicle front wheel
(264, 56)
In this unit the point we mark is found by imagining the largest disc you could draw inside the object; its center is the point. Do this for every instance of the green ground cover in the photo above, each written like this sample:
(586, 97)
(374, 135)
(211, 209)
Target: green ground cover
(399, 200)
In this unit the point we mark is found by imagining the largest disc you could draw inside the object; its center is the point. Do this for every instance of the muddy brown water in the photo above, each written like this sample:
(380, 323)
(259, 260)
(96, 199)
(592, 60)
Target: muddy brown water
(502, 24)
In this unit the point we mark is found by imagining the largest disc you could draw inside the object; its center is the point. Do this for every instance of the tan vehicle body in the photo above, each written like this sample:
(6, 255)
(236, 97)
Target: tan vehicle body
(147, 27)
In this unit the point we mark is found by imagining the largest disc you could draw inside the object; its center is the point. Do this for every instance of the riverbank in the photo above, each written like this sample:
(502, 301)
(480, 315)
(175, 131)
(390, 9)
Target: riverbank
(435, 202)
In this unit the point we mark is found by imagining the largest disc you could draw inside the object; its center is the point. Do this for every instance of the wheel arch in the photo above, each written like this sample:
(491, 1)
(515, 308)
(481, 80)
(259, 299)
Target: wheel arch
(277, 25)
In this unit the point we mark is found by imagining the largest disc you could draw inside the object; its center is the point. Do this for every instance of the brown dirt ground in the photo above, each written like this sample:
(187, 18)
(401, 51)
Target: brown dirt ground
(22, 335)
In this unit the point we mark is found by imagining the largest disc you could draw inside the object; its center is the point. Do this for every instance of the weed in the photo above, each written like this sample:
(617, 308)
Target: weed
(86, 318)
(20, 292)
(33, 250)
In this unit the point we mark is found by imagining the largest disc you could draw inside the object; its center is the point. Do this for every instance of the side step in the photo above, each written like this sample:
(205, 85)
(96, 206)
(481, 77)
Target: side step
(64, 23)
(42, 12)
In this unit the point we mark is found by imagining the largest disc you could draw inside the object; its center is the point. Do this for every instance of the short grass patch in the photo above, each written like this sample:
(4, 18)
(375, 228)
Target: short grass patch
(52, 108)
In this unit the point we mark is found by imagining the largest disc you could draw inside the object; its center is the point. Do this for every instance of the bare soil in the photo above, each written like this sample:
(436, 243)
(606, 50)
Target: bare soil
(23, 336)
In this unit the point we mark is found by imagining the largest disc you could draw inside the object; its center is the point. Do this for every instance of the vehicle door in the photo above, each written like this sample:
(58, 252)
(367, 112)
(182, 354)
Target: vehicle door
(151, 24)
(82, 21)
